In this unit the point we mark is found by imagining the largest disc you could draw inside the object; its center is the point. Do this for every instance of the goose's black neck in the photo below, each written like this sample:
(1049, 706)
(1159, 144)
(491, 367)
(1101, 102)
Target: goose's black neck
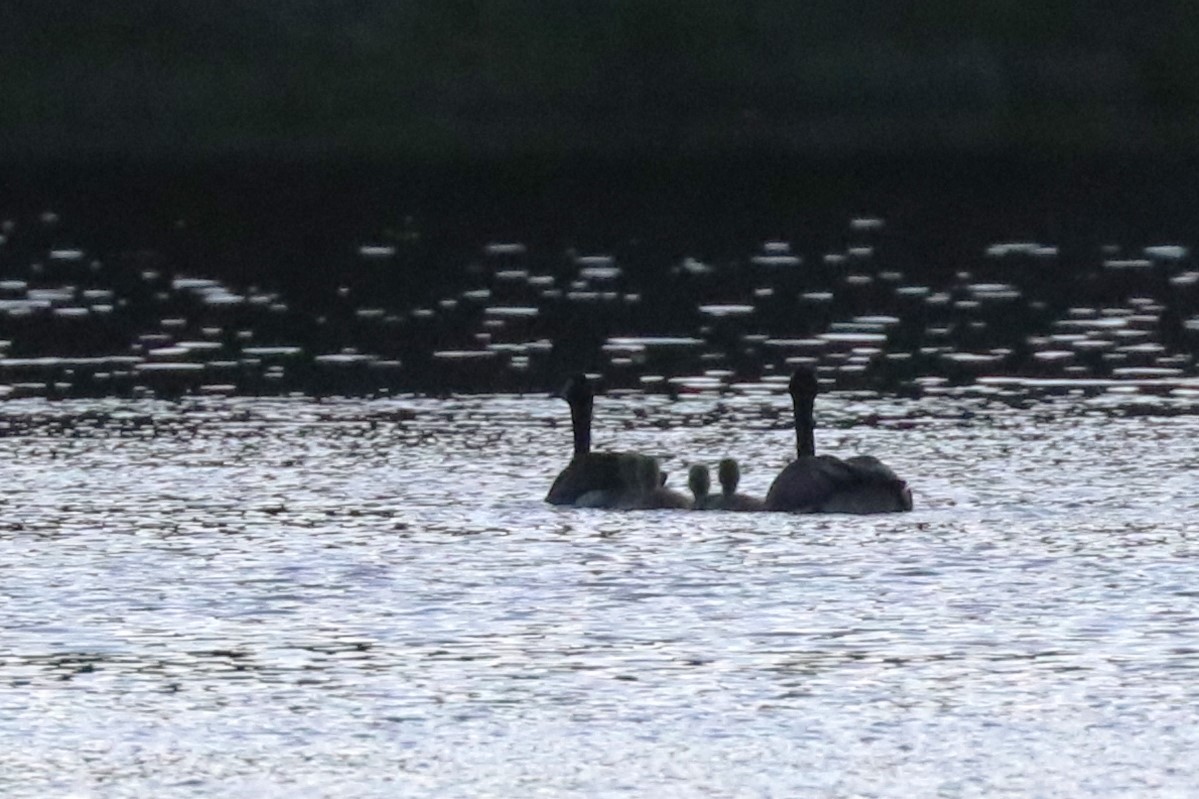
(579, 395)
(580, 421)
(805, 436)
(803, 390)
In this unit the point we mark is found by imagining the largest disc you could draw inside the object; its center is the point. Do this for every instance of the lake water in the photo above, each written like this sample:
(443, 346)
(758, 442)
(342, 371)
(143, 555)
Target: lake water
(285, 597)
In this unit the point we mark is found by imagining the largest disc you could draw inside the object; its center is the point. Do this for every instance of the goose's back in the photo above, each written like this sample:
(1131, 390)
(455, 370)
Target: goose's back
(826, 484)
(738, 502)
(868, 468)
(593, 472)
(663, 497)
(807, 482)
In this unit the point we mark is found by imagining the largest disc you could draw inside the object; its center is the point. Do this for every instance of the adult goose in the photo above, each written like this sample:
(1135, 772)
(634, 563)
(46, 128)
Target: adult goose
(598, 479)
(824, 484)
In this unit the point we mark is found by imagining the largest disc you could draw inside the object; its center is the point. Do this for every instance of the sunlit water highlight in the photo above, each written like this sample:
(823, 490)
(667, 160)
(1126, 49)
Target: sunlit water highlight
(368, 598)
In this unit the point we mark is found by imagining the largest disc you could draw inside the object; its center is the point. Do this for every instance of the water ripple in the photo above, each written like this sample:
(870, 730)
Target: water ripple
(290, 597)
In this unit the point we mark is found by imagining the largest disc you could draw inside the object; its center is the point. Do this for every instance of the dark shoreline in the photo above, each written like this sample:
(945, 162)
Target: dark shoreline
(670, 197)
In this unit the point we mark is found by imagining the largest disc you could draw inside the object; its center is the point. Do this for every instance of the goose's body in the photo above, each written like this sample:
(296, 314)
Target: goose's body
(626, 491)
(825, 484)
(592, 474)
(657, 495)
(595, 479)
(665, 498)
(642, 488)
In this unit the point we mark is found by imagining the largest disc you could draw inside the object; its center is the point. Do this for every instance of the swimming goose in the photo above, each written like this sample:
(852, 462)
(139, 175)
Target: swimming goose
(730, 475)
(699, 480)
(600, 479)
(824, 484)
(657, 495)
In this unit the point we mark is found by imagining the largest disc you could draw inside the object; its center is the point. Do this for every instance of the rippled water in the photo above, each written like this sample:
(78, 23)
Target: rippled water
(396, 317)
(368, 598)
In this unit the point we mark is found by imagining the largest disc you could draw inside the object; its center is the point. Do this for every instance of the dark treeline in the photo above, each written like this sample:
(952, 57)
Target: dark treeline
(463, 78)
(267, 139)
(263, 142)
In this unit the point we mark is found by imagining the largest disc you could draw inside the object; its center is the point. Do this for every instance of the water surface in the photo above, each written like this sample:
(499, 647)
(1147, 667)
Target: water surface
(251, 597)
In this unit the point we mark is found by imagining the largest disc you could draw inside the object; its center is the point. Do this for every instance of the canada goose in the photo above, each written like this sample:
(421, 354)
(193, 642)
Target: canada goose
(657, 495)
(824, 484)
(602, 479)
(730, 475)
(699, 480)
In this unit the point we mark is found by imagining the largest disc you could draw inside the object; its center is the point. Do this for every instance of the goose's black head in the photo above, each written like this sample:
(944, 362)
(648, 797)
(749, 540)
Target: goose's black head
(577, 390)
(803, 384)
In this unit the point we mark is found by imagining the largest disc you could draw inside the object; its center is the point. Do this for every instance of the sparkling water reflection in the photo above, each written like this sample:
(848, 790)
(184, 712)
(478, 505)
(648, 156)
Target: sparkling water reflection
(300, 598)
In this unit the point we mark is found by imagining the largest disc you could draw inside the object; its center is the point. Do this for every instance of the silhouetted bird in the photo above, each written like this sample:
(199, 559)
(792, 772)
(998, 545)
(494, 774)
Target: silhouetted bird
(699, 480)
(599, 479)
(730, 475)
(824, 484)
